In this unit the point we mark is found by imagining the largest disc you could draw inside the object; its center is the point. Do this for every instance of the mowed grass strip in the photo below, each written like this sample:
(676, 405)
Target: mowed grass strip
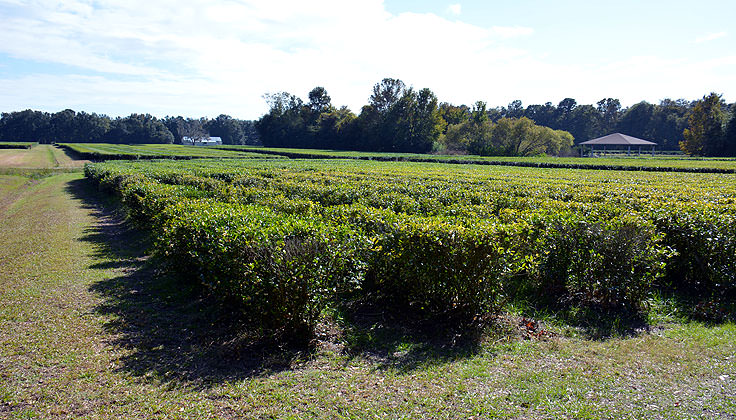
(89, 329)
(106, 151)
(43, 156)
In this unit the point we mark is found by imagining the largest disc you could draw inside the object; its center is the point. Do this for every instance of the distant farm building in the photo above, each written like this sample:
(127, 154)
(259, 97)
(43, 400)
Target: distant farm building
(615, 141)
(206, 141)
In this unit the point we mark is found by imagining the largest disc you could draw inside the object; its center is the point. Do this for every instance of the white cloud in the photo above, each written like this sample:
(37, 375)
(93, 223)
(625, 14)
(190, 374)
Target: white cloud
(206, 57)
(455, 9)
(238, 50)
(710, 37)
(512, 31)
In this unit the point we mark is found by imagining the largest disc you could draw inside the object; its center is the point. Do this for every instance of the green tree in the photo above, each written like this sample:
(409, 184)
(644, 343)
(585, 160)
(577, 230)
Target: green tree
(729, 142)
(227, 128)
(319, 100)
(471, 136)
(284, 124)
(669, 120)
(453, 114)
(333, 129)
(704, 136)
(609, 110)
(636, 121)
(521, 137)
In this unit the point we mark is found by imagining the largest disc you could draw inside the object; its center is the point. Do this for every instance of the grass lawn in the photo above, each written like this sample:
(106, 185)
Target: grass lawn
(90, 329)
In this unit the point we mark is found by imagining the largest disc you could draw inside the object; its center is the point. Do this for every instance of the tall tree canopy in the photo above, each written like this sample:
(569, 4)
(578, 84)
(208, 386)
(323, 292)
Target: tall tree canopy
(704, 136)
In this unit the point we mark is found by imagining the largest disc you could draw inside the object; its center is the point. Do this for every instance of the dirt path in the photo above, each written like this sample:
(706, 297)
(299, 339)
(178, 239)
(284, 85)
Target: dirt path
(88, 329)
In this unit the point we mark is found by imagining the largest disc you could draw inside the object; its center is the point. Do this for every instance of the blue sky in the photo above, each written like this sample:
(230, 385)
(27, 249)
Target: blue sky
(206, 57)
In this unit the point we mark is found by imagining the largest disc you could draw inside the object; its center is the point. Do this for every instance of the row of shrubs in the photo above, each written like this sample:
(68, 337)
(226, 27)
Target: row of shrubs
(467, 160)
(284, 259)
(16, 145)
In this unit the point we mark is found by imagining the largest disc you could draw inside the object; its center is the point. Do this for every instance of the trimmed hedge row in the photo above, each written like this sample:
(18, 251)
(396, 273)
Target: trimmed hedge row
(283, 244)
(469, 160)
(18, 145)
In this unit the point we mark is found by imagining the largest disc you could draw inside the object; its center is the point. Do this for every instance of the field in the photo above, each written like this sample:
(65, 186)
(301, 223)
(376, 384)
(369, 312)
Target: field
(42, 156)
(447, 240)
(644, 162)
(104, 151)
(136, 311)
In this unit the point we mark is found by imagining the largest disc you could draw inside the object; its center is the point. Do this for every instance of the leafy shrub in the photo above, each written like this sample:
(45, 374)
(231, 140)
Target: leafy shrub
(609, 265)
(704, 242)
(280, 270)
(437, 269)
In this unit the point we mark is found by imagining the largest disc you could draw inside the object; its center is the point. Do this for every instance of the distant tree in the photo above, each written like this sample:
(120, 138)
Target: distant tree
(227, 128)
(669, 120)
(319, 101)
(545, 115)
(138, 129)
(398, 119)
(250, 134)
(521, 137)
(284, 124)
(472, 136)
(637, 120)
(62, 127)
(453, 114)
(515, 109)
(386, 94)
(729, 142)
(704, 135)
(508, 136)
(479, 113)
(195, 129)
(90, 128)
(566, 106)
(26, 126)
(609, 110)
(426, 124)
(565, 115)
(583, 123)
(333, 129)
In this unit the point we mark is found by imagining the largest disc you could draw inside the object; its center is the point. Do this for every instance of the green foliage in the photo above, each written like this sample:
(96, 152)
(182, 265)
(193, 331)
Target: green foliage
(704, 136)
(285, 240)
(508, 137)
(704, 240)
(607, 264)
(729, 146)
(280, 269)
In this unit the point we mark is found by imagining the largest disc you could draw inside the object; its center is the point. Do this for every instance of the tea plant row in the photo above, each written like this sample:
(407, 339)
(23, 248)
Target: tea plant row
(286, 239)
(662, 163)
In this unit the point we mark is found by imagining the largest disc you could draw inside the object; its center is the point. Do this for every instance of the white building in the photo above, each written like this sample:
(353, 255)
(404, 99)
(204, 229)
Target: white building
(207, 141)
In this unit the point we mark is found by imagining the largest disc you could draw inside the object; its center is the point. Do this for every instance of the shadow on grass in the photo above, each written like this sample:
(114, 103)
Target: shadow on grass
(169, 331)
(173, 333)
(398, 342)
(589, 323)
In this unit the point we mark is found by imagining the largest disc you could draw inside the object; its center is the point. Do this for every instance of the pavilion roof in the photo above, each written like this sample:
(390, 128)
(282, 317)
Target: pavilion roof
(619, 139)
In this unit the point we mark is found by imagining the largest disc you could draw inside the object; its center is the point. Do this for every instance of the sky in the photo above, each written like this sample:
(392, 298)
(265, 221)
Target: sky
(202, 58)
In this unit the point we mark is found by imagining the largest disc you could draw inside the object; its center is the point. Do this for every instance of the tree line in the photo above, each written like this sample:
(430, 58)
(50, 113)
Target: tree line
(398, 118)
(68, 126)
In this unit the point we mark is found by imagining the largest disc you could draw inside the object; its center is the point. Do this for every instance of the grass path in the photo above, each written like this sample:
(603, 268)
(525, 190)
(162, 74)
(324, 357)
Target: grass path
(89, 329)
(42, 156)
